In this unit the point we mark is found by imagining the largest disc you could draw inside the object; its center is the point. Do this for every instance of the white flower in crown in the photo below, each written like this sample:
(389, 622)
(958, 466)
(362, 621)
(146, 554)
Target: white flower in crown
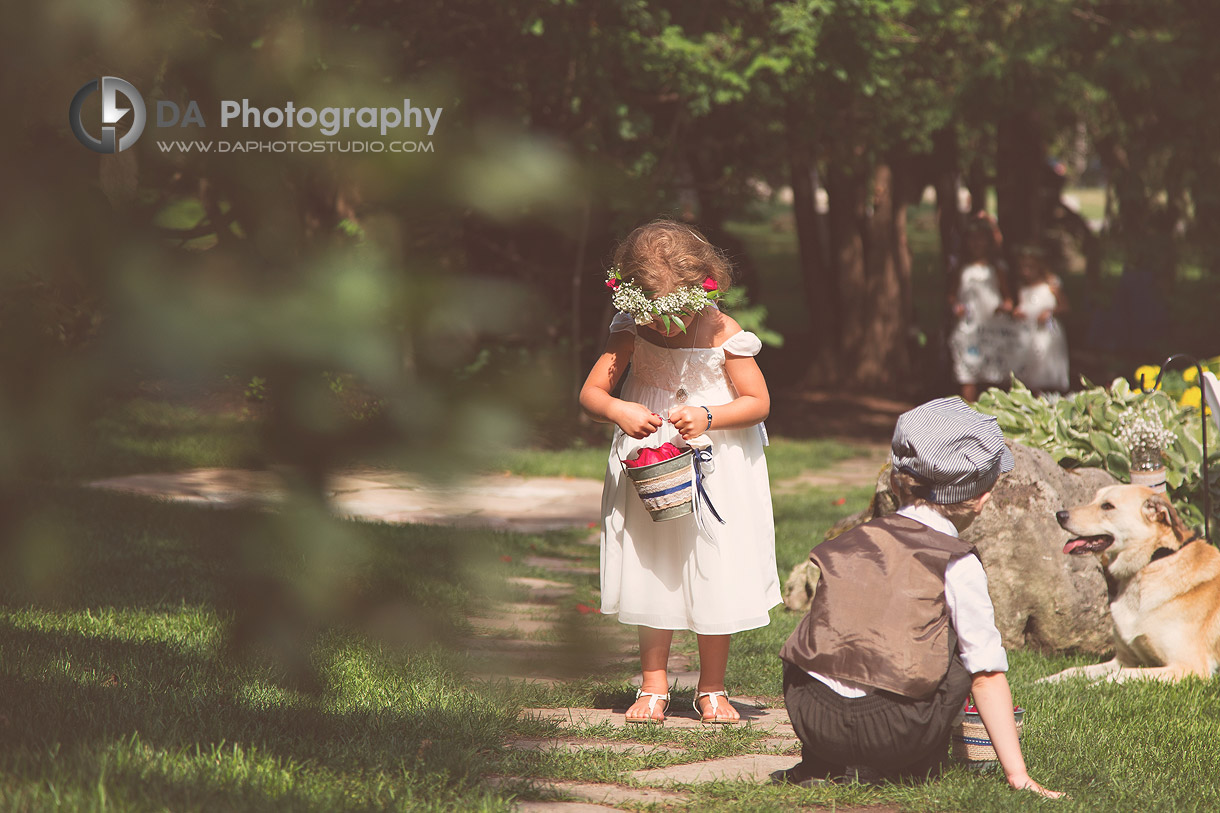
(631, 299)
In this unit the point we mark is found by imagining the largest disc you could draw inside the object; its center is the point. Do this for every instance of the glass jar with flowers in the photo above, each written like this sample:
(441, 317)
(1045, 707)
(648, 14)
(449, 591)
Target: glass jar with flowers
(1146, 436)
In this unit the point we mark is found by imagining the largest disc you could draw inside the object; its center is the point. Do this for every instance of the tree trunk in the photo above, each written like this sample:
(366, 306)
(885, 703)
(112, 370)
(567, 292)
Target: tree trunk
(948, 218)
(882, 359)
(821, 284)
(976, 183)
(867, 254)
(845, 192)
(1020, 162)
(1205, 192)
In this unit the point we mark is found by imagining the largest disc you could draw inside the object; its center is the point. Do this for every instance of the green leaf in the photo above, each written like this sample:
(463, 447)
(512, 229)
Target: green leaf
(1119, 466)
(1103, 443)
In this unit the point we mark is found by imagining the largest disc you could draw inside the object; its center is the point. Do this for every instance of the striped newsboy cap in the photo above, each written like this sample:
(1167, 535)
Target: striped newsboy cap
(954, 451)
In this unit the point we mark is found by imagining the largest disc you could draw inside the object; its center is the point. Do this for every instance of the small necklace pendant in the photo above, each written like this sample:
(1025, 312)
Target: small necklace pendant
(681, 395)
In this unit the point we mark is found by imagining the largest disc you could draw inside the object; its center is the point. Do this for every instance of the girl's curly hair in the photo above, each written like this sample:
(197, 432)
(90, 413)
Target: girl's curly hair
(665, 255)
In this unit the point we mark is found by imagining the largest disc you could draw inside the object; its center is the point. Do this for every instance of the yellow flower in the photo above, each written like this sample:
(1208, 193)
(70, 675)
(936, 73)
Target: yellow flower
(1193, 397)
(1149, 372)
(1190, 374)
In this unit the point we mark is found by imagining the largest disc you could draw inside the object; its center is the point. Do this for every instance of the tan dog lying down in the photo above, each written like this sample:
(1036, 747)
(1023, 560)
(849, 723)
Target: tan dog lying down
(1165, 586)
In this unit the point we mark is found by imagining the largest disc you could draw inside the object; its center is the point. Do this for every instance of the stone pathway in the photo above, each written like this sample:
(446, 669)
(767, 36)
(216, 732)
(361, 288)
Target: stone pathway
(538, 637)
(507, 502)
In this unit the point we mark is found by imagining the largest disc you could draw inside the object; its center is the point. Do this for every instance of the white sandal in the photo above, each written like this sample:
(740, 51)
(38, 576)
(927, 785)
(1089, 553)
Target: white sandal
(653, 697)
(711, 717)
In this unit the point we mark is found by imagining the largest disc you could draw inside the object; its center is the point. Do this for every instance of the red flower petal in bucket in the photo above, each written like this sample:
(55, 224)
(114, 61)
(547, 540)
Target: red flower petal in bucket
(666, 451)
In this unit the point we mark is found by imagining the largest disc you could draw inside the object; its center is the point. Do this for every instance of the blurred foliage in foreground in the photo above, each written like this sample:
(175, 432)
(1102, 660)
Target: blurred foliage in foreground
(178, 268)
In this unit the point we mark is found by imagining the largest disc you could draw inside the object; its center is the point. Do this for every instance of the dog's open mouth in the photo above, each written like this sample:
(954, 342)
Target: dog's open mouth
(1088, 544)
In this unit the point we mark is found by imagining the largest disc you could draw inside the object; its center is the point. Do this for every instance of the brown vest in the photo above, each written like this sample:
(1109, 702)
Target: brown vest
(879, 616)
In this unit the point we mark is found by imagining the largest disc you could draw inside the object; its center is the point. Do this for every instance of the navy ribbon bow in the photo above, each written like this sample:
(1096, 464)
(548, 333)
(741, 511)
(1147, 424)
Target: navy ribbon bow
(701, 499)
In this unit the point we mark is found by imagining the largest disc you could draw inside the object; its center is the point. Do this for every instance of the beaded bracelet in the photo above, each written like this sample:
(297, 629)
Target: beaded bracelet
(709, 418)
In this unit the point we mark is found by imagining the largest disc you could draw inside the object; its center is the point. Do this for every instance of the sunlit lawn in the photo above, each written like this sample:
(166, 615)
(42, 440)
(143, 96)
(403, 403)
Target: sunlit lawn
(122, 693)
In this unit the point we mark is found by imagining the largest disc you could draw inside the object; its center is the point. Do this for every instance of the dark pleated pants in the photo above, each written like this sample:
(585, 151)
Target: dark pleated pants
(882, 735)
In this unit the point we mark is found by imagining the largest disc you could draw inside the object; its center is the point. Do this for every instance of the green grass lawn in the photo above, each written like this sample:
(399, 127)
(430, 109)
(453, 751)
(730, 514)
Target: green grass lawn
(786, 457)
(125, 686)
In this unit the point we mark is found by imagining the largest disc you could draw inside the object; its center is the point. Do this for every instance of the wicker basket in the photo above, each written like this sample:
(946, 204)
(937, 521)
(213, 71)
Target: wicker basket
(971, 743)
(668, 487)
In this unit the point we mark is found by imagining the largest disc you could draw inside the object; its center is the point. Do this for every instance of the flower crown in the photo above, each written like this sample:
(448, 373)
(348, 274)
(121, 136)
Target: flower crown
(630, 298)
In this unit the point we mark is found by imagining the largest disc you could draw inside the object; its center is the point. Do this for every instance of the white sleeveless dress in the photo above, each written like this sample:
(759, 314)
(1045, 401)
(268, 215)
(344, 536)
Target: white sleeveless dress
(670, 574)
(1042, 361)
(981, 340)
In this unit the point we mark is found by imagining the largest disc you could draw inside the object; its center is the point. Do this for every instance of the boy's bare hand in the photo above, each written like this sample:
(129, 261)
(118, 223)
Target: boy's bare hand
(1025, 783)
(637, 420)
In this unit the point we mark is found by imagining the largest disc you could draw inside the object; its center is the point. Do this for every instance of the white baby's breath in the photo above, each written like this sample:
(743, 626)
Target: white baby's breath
(1144, 435)
(629, 298)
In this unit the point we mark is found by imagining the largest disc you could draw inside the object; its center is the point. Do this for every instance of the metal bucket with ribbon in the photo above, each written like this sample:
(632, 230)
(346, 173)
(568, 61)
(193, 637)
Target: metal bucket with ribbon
(668, 487)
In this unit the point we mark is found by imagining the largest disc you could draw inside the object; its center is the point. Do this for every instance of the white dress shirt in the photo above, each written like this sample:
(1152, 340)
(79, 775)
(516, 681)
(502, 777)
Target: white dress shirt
(970, 610)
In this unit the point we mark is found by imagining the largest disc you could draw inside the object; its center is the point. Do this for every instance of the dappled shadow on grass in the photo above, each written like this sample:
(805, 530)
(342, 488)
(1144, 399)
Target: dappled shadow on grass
(189, 721)
(142, 434)
(162, 646)
(81, 548)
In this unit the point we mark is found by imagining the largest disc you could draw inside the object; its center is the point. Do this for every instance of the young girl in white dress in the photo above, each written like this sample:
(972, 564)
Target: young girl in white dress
(1042, 351)
(981, 339)
(692, 375)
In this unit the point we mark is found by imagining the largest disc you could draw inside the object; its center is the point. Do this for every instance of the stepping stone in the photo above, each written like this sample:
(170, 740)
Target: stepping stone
(527, 626)
(524, 609)
(542, 589)
(220, 487)
(524, 504)
(678, 717)
(564, 807)
(508, 647)
(779, 744)
(599, 793)
(748, 768)
(558, 565)
(347, 483)
(548, 681)
(584, 745)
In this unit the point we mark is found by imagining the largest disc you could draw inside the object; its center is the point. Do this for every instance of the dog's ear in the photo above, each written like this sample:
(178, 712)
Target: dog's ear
(1158, 509)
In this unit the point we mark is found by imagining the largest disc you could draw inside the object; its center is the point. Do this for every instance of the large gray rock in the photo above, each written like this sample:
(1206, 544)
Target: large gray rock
(1043, 598)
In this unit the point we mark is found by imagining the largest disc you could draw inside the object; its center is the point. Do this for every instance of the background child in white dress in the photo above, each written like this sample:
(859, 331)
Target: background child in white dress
(981, 337)
(1041, 362)
(692, 374)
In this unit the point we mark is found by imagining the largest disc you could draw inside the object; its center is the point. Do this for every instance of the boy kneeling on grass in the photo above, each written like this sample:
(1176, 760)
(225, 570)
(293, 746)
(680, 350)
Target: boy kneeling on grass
(901, 629)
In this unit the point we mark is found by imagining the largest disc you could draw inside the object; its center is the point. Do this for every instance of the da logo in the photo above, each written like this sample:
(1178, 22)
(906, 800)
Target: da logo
(112, 114)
